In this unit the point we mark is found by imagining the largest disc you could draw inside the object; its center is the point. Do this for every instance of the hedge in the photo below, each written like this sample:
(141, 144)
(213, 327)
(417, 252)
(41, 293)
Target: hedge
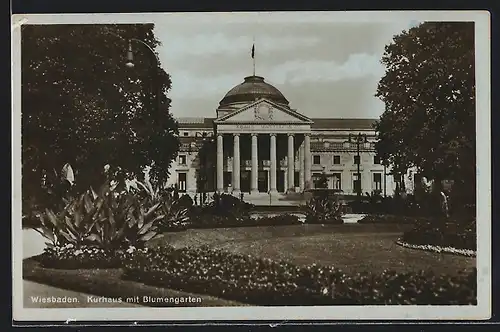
(453, 233)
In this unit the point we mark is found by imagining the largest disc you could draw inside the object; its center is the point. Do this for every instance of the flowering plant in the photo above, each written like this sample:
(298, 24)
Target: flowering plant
(262, 281)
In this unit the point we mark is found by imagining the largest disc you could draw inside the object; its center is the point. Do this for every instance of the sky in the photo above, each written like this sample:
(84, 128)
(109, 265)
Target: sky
(325, 68)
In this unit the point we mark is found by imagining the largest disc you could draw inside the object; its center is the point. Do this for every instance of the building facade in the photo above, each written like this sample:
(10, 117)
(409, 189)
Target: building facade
(257, 144)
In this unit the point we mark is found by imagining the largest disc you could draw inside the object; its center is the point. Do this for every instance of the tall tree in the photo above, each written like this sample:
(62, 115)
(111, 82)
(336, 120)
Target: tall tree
(81, 104)
(429, 95)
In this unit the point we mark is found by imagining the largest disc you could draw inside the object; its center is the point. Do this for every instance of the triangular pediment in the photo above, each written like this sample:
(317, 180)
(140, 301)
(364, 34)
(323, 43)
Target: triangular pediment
(264, 111)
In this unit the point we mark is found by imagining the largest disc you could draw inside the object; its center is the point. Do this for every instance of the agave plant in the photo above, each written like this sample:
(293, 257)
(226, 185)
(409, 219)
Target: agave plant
(170, 212)
(126, 222)
(142, 225)
(174, 214)
(74, 224)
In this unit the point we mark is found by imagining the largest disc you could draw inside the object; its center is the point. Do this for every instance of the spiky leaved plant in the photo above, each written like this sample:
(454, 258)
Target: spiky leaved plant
(75, 223)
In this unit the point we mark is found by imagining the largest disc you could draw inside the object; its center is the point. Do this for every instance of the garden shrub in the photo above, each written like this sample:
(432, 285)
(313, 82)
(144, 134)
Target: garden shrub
(223, 211)
(185, 201)
(324, 209)
(201, 220)
(454, 233)
(278, 220)
(261, 281)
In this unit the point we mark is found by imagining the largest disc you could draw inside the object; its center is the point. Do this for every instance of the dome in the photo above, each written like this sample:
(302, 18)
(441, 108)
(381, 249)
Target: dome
(252, 89)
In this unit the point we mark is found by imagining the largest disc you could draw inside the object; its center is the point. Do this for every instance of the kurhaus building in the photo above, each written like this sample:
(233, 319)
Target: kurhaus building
(260, 144)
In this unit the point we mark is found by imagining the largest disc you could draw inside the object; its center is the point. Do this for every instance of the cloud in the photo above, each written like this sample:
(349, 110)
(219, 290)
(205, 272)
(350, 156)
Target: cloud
(178, 46)
(321, 67)
(356, 66)
(187, 84)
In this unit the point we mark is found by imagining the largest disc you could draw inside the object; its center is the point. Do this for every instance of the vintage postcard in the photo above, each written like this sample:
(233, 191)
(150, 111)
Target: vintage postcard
(251, 166)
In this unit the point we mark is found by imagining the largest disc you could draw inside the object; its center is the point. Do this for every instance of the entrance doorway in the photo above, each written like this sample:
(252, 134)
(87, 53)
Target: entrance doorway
(262, 182)
(245, 181)
(281, 182)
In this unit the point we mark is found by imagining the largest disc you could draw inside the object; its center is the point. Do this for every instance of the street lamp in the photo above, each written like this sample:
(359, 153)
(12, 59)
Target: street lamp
(360, 138)
(206, 137)
(385, 179)
(156, 81)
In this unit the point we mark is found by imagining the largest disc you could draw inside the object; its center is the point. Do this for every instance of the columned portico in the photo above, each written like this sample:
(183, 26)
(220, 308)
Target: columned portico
(266, 138)
(271, 168)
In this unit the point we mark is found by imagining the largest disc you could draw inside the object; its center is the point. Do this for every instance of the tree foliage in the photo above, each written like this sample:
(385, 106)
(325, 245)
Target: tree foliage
(81, 104)
(429, 95)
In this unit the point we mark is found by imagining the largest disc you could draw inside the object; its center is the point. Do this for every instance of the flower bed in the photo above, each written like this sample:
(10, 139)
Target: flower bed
(457, 234)
(265, 282)
(427, 247)
(70, 257)
(390, 219)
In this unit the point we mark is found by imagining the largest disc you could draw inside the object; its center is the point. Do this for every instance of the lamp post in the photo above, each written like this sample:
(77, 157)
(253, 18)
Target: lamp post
(385, 179)
(360, 138)
(206, 137)
(156, 81)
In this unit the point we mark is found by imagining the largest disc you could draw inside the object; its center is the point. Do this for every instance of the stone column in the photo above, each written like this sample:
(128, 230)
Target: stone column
(220, 163)
(273, 167)
(236, 164)
(307, 161)
(301, 167)
(291, 164)
(254, 175)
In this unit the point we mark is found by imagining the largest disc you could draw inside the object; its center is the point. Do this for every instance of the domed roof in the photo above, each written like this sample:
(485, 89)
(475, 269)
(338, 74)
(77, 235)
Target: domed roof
(252, 89)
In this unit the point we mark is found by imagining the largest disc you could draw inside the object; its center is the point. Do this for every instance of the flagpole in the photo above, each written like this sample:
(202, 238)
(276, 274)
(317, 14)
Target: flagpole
(253, 55)
(254, 66)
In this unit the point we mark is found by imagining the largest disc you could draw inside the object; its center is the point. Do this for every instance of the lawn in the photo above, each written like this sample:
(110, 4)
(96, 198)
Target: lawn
(350, 247)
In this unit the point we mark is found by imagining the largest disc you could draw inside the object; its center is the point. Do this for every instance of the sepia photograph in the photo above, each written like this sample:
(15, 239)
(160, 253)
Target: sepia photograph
(251, 166)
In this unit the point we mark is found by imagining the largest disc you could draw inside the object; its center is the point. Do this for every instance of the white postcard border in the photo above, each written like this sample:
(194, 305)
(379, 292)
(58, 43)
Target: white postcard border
(483, 95)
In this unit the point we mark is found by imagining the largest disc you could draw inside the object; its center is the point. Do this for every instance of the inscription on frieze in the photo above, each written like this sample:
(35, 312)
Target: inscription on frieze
(264, 126)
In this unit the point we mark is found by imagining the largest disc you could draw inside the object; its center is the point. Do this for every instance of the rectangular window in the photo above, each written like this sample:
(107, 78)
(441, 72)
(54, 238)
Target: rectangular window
(336, 160)
(377, 181)
(356, 183)
(376, 160)
(356, 160)
(315, 178)
(316, 160)
(182, 182)
(186, 133)
(182, 160)
(296, 179)
(337, 181)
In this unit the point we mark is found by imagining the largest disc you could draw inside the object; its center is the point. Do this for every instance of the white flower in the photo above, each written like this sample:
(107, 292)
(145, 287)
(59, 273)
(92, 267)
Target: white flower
(438, 249)
(130, 249)
(324, 291)
(78, 252)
